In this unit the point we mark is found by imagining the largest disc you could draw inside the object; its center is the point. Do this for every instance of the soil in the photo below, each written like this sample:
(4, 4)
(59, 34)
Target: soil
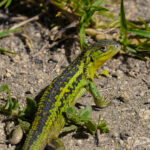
(127, 86)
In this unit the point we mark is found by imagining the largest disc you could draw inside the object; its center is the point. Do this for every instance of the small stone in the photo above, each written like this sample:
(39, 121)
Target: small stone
(137, 68)
(147, 101)
(142, 141)
(57, 68)
(148, 126)
(16, 58)
(124, 97)
(32, 90)
(115, 134)
(8, 75)
(37, 35)
(131, 73)
(40, 81)
(91, 31)
(9, 127)
(124, 136)
(121, 142)
(80, 142)
(119, 74)
(100, 37)
(144, 114)
(134, 41)
(142, 93)
(16, 135)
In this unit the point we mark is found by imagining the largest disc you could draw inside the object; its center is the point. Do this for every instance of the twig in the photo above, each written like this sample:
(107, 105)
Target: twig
(26, 21)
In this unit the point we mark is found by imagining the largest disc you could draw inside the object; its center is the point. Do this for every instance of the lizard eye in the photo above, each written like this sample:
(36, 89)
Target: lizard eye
(117, 45)
(103, 49)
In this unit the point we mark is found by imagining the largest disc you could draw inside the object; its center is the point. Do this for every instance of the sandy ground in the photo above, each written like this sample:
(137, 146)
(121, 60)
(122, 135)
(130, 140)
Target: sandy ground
(127, 86)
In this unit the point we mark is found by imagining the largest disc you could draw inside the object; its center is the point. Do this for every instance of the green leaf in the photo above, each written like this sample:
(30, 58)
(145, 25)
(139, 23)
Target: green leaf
(132, 50)
(3, 88)
(70, 112)
(91, 126)
(108, 14)
(30, 108)
(141, 33)
(69, 128)
(24, 125)
(8, 3)
(97, 3)
(15, 105)
(9, 103)
(2, 3)
(84, 113)
(102, 126)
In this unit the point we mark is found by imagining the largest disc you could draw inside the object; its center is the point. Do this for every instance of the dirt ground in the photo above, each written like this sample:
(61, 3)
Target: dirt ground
(127, 87)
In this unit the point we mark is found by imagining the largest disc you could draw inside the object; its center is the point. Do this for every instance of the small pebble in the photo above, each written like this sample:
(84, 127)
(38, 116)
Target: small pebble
(119, 74)
(142, 93)
(37, 35)
(8, 75)
(16, 58)
(147, 101)
(131, 73)
(124, 97)
(115, 134)
(124, 135)
(144, 114)
(17, 135)
(91, 31)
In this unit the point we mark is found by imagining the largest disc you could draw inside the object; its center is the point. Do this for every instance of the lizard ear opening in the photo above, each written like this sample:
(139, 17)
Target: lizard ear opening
(103, 49)
(91, 59)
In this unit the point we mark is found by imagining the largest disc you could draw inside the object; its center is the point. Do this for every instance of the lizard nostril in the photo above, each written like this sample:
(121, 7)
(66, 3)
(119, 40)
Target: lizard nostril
(117, 45)
(103, 49)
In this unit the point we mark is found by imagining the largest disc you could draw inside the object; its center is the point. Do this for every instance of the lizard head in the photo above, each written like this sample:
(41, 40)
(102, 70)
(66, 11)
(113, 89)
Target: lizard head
(100, 52)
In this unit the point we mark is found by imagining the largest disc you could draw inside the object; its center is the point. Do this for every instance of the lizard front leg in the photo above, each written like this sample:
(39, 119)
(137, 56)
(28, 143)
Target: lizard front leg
(99, 101)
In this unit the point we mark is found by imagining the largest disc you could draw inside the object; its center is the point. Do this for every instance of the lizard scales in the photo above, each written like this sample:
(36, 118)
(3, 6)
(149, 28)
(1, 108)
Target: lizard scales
(65, 90)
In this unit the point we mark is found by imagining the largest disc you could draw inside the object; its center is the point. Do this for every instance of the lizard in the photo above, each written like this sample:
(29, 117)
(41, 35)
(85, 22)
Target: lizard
(63, 92)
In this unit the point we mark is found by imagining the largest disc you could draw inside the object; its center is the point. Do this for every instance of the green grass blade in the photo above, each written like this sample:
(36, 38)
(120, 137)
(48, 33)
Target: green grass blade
(2, 3)
(8, 3)
(82, 37)
(2, 50)
(143, 44)
(145, 49)
(122, 15)
(97, 3)
(141, 33)
(144, 23)
(2, 34)
(133, 51)
(108, 14)
(123, 23)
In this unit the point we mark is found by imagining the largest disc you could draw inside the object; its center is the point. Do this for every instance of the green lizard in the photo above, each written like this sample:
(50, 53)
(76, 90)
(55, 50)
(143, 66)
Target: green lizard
(63, 92)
